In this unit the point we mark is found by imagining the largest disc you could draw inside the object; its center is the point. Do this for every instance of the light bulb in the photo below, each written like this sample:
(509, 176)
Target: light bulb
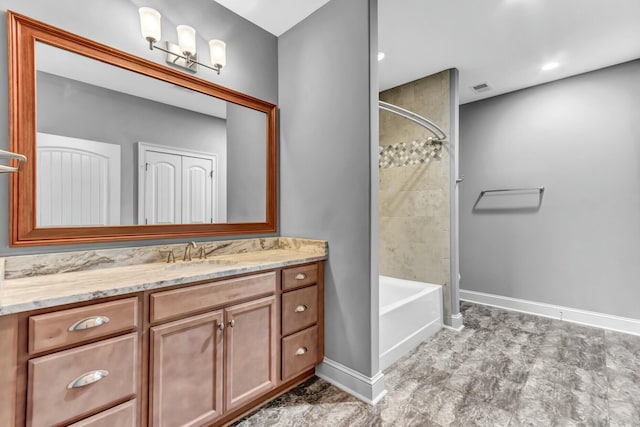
(218, 53)
(186, 39)
(150, 24)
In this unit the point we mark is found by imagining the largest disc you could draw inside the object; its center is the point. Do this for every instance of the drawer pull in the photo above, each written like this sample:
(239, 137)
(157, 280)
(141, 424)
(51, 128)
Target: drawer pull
(221, 326)
(301, 276)
(88, 378)
(232, 323)
(88, 323)
(301, 351)
(301, 308)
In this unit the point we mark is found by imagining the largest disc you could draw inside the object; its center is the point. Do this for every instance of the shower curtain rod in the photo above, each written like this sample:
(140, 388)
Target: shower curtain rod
(416, 118)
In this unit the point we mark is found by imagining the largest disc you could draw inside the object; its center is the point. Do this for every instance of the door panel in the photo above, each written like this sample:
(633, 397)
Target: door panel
(163, 188)
(196, 190)
(78, 182)
(176, 186)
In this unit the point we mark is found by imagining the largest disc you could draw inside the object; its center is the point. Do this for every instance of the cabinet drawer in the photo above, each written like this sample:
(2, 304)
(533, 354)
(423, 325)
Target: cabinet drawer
(299, 352)
(55, 386)
(299, 309)
(299, 276)
(124, 415)
(62, 328)
(185, 301)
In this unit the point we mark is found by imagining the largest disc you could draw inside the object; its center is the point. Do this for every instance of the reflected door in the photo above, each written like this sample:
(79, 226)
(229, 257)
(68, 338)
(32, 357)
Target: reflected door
(197, 194)
(163, 188)
(78, 182)
(178, 186)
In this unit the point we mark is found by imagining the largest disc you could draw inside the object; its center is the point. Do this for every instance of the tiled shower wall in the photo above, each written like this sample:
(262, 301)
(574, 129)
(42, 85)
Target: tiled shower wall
(414, 187)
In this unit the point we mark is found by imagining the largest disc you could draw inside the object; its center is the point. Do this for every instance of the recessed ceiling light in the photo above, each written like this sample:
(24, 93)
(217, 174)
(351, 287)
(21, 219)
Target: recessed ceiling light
(550, 66)
(380, 56)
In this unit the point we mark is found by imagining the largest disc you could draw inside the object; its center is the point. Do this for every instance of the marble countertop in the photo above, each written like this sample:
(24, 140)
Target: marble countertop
(49, 290)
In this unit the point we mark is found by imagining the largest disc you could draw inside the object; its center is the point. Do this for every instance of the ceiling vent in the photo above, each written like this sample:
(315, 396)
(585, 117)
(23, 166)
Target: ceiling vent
(481, 87)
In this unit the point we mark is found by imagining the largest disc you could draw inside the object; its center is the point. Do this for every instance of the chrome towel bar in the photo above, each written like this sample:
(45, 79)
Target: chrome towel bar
(8, 155)
(502, 190)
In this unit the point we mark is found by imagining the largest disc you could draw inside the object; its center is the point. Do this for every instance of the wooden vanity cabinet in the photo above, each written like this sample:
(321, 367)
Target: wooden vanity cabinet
(211, 364)
(79, 364)
(302, 319)
(201, 354)
(8, 369)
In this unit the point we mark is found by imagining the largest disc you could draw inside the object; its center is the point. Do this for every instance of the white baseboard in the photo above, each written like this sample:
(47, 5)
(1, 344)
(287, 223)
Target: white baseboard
(588, 318)
(456, 323)
(368, 389)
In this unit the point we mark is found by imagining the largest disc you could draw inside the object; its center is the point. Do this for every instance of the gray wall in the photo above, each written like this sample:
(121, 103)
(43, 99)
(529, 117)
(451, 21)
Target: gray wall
(247, 168)
(79, 110)
(251, 68)
(579, 247)
(325, 164)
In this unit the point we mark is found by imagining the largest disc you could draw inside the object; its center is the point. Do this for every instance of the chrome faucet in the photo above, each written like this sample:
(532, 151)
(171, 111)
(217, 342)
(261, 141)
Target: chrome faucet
(187, 251)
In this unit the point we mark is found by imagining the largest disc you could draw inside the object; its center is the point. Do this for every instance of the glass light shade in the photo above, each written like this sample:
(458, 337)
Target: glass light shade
(150, 23)
(186, 39)
(218, 52)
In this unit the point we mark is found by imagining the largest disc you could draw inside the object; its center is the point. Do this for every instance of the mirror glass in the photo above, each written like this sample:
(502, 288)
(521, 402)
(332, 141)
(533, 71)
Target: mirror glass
(115, 147)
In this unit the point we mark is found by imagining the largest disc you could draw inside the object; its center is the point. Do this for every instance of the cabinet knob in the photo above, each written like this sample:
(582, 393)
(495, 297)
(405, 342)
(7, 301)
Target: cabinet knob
(301, 276)
(88, 323)
(301, 351)
(232, 323)
(221, 326)
(87, 378)
(301, 308)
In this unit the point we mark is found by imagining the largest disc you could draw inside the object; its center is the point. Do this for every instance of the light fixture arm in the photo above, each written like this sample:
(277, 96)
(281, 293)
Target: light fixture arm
(189, 59)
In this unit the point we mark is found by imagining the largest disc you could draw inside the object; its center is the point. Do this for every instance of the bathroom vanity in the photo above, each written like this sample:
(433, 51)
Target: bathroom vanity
(194, 343)
(130, 336)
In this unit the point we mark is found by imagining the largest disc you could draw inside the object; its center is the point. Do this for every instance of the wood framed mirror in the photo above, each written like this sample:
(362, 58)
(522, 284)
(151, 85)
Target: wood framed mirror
(208, 168)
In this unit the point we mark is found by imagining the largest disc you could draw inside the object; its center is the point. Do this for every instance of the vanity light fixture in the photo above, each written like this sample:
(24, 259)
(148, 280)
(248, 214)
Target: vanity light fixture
(184, 53)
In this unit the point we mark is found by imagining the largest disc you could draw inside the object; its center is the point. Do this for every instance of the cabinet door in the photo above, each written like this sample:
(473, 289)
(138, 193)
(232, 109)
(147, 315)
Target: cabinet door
(186, 371)
(250, 351)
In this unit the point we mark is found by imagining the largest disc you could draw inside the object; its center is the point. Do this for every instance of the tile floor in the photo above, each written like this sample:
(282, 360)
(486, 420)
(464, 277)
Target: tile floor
(504, 369)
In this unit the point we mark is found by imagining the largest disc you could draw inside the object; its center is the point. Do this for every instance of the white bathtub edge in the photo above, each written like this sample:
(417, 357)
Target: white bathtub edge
(588, 318)
(384, 309)
(370, 390)
(390, 356)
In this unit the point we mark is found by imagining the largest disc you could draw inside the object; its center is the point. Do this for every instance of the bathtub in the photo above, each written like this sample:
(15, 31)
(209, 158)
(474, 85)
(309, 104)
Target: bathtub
(410, 312)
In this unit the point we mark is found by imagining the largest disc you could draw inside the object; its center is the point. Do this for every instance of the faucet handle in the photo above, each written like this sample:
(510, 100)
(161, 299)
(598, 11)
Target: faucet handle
(171, 257)
(202, 252)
